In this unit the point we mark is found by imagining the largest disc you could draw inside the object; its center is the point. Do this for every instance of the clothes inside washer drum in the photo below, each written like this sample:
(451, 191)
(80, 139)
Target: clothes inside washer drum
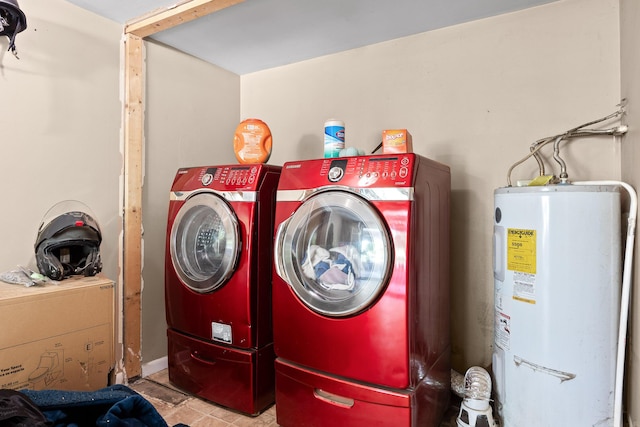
(333, 269)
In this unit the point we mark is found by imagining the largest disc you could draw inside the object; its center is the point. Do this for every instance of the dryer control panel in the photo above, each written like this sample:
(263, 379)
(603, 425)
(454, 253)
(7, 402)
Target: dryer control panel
(374, 171)
(368, 171)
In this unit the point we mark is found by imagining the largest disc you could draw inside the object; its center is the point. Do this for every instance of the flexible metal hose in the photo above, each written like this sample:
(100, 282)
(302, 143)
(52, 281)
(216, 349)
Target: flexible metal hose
(576, 132)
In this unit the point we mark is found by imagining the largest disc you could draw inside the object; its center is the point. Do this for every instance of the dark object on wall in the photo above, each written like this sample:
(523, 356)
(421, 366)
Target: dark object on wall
(12, 21)
(69, 244)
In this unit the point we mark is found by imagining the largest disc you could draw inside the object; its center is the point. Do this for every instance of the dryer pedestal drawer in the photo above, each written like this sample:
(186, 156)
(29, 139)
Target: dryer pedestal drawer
(239, 379)
(314, 399)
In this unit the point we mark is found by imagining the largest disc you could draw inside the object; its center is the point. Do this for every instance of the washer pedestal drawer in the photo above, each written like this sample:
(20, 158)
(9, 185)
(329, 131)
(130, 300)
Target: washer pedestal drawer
(238, 379)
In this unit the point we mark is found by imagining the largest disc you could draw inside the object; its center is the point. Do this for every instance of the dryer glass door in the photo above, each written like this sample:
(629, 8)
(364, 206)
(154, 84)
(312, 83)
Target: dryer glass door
(205, 242)
(335, 253)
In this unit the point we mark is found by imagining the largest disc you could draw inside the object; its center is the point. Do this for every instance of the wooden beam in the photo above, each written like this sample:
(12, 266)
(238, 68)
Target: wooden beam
(132, 209)
(186, 11)
(133, 113)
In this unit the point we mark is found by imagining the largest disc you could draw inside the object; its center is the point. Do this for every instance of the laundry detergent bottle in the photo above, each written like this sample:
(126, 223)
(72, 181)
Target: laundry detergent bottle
(252, 141)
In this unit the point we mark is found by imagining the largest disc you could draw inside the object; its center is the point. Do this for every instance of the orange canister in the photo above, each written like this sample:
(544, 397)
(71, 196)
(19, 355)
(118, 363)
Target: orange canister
(252, 141)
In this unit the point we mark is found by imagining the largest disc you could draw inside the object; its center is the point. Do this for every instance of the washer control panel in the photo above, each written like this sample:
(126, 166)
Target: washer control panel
(230, 177)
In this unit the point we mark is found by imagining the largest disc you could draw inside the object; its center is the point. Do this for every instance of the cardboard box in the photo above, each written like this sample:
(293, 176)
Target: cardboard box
(396, 141)
(57, 337)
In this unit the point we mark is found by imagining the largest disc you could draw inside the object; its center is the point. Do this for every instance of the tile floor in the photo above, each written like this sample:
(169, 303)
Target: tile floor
(176, 407)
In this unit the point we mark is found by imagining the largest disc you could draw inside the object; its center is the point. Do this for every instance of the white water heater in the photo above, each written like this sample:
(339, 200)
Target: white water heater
(557, 277)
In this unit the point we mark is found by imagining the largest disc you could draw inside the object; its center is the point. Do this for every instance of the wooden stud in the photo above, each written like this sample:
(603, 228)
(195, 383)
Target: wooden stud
(132, 211)
(133, 112)
(135, 31)
(180, 13)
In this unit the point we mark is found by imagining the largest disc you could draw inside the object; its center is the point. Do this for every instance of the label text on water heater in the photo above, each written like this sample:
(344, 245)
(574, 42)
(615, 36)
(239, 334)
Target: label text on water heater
(521, 250)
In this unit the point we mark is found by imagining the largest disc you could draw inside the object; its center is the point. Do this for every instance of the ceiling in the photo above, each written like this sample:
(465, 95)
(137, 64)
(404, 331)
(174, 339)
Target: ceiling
(259, 34)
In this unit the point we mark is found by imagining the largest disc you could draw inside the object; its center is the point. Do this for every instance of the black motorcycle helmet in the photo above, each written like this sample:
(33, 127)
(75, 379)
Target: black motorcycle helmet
(12, 21)
(69, 245)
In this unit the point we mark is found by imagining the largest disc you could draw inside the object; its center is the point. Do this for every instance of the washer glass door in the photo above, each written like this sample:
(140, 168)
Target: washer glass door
(205, 242)
(335, 253)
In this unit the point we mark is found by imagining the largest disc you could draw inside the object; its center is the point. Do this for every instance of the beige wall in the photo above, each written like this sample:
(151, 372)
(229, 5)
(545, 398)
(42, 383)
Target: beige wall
(60, 120)
(60, 123)
(59, 126)
(192, 110)
(630, 72)
(474, 96)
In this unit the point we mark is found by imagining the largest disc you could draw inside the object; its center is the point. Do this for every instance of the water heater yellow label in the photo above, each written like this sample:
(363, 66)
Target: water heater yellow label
(521, 250)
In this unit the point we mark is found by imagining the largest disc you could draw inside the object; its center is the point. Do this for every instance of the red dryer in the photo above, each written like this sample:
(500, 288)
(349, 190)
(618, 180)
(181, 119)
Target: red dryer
(218, 284)
(361, 292)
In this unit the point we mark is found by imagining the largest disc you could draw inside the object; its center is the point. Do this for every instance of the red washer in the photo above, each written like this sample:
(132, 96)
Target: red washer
(361, 291)
(217, 284)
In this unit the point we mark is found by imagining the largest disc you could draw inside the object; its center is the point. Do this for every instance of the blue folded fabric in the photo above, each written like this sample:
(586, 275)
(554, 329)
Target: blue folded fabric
(116, 405)
(131, 411)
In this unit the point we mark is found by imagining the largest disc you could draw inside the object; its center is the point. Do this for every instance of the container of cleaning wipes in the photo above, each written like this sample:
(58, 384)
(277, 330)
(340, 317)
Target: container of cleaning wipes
(333, 137)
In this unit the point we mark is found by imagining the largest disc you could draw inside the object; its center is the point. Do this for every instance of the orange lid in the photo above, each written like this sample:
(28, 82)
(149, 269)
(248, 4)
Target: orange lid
(252, 141)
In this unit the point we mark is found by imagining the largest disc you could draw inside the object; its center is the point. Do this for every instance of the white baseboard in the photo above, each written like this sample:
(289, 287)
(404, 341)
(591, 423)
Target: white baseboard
(154, 366)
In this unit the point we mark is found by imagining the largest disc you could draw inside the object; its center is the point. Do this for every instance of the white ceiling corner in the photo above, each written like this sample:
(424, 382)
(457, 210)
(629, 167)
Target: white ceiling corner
(259, 34)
